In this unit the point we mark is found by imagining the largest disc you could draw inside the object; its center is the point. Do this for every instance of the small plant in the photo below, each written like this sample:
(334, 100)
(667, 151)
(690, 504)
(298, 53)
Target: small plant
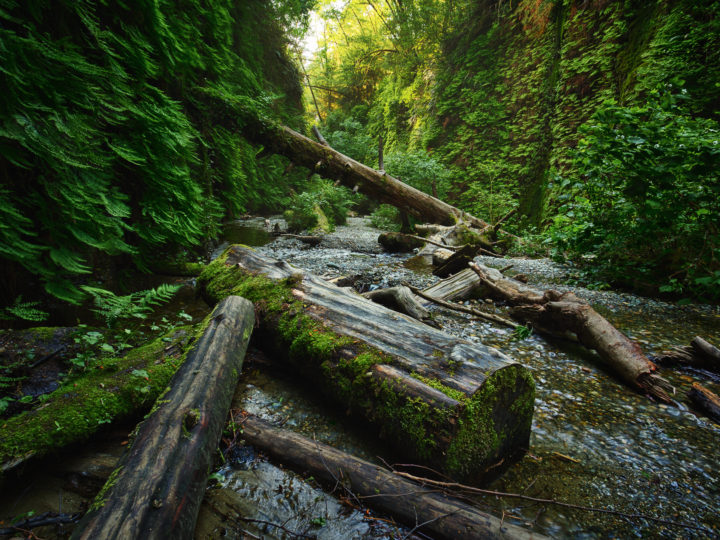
(137, 305)
(26, 311)
(521, 332)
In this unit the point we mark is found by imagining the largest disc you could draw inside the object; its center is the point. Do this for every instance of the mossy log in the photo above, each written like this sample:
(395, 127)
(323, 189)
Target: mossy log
(80, 407)
(395, 242)
(442, 516)
(456, 406)
(159, 484)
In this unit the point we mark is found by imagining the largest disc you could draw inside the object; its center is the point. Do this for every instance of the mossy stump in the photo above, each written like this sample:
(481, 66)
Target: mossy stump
(459, 407)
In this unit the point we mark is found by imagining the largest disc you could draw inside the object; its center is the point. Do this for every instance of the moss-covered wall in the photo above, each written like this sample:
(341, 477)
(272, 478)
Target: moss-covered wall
(516, 81)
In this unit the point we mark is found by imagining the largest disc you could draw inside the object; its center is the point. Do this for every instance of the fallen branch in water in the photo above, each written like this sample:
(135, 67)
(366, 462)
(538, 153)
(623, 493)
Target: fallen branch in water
(277, 526)
(463, 309)
(48, 518)
(480, 491)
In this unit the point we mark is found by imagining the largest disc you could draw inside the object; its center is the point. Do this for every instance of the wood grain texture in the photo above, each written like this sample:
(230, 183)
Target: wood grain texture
(157, 489)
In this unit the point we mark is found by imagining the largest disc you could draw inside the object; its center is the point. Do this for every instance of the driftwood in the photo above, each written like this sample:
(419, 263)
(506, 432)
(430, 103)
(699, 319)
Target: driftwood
(427, 511)
(555, 314)
(705, 401)
(304, 238)
(443, 401)
(456, 262)
(699, 353)
(463, 309)
(395, 242)
(400, 299)
(157, 488)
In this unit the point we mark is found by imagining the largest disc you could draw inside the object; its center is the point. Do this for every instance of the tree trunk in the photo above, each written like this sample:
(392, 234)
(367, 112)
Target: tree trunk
(699, 354)
(400, 299)
(453, 405)
(330, 163)
(443, 516)
(157, 488)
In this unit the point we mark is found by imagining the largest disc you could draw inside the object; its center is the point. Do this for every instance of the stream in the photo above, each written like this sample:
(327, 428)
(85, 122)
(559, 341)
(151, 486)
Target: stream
(594, 442)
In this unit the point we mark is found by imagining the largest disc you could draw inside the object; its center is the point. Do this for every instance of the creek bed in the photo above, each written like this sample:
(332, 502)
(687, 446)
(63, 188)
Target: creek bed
(594, 441)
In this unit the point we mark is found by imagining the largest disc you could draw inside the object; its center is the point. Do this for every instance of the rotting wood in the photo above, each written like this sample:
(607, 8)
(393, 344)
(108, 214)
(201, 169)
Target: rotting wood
(459, 307)
(699, 354)
(444, 516)
(457, 406)
(157, 488)
(401, 299)
(554, 313)
(705, 401)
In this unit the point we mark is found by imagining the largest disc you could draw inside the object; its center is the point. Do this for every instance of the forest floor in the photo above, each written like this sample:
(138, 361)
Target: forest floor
(594, 442)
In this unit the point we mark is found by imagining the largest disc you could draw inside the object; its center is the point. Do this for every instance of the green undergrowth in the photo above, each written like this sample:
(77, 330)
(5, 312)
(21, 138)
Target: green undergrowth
(121, 386)
(419, 429)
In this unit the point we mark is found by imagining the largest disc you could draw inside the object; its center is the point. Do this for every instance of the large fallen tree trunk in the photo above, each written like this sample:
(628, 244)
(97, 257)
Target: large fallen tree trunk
(441, 516)
(459, 407)
(157, 488)
(330, 163)
(558, 315)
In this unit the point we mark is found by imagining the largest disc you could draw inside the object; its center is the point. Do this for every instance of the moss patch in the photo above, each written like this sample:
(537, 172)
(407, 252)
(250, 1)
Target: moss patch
(77, 409)
(479, 442)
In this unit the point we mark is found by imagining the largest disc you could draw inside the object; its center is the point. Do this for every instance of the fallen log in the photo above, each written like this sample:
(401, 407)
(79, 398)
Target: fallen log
(456, 262)
(395, 242)
(400, 299)
(555, 314)
(443, 401)
(699, 354)
(330, 163)
(435, 514)
(158, 486)
(705, 401)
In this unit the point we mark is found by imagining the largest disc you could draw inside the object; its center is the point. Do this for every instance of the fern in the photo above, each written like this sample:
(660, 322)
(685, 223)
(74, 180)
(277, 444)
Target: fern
(113, 308)
(26, 311)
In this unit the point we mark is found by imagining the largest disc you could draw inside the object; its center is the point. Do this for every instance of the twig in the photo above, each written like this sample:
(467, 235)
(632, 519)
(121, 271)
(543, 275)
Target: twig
(276, 525)
(506, 268)
(433, 242)
(463, 309)
(420, 525)
(481, 491)
(47, 518)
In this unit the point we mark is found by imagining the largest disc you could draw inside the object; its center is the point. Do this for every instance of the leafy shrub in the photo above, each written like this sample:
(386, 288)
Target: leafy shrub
(645, 205)
(386, 218)
(419, 170)
(322, 199)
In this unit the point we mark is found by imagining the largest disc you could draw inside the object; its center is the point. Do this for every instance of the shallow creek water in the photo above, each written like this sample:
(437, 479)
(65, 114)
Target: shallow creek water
(594, 442)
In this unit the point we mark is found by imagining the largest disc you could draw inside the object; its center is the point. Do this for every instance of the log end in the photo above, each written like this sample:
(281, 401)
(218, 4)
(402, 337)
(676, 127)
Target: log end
(494, 427)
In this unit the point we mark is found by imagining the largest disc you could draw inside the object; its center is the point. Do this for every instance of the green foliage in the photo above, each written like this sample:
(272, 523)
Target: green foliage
(108, 136)
(386, 218)
(322, 200)
(420, 170)
(113, 308)
(645, 203)
(26, 311)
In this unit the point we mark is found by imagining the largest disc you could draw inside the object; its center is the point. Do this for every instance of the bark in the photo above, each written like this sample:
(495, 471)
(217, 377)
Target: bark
(704, 400)
(453, 405)
(699, 354)
(443, 516)
(456, 262)
(157, 489)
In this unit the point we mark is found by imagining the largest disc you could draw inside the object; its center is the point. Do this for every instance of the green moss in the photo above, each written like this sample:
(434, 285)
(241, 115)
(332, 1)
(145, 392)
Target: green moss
(99, 500)
(457, 395)
(77, 409)
(478, 443)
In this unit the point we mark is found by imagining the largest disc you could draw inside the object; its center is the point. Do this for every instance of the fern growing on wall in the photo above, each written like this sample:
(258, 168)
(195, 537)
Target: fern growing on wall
(105, 143)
